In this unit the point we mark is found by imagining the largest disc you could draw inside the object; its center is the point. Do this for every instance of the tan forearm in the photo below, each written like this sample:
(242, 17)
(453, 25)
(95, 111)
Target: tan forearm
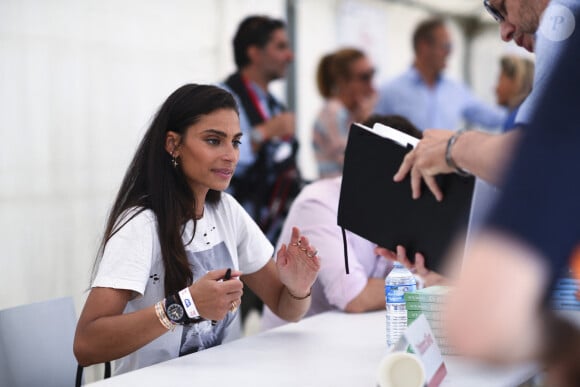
(372, 297)
(484, 154)
(291, 309)
(110, 338)
(104, 333)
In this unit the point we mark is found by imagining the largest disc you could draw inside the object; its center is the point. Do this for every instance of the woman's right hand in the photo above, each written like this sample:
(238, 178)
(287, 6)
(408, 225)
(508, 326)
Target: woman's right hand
(213, 297)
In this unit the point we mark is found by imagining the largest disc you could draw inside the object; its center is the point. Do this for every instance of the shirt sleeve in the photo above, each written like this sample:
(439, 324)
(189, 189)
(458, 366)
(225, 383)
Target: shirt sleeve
(478, 112)
(253, 248)
(540, 204)
(127, 257)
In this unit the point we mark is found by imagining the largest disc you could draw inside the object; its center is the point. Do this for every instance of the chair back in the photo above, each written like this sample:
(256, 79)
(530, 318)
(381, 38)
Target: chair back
(36, 344)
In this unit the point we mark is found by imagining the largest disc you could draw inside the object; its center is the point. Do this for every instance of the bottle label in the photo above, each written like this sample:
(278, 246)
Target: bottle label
(395, 294)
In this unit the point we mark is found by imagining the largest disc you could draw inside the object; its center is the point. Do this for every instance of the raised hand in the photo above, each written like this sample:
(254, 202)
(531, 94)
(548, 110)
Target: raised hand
(298, 264)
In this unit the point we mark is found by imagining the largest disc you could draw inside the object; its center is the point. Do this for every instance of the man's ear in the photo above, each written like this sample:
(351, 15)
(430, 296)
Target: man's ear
(253, 53)
(172, 142)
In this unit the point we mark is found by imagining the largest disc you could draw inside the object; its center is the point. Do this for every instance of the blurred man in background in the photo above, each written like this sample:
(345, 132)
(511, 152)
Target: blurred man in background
(426, 96)
(266, 178)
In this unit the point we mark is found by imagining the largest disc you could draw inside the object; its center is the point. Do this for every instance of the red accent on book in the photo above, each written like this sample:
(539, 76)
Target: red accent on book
(438, 376)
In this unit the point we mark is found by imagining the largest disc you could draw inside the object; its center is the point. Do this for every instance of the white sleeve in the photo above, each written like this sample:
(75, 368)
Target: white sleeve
(253, 248)
(127, 257)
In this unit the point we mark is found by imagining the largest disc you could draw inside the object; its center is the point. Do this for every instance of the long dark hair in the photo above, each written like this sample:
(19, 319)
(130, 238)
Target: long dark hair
(152, 182)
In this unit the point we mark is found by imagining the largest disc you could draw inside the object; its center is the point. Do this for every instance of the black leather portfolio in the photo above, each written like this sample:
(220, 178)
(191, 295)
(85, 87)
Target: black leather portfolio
(373, 206)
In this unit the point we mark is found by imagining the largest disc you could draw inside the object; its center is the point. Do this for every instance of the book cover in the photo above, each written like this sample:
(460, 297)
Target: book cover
(376, 208)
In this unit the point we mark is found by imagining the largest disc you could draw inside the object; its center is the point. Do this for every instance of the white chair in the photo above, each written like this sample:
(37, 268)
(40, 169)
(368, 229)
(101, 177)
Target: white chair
(36, 344)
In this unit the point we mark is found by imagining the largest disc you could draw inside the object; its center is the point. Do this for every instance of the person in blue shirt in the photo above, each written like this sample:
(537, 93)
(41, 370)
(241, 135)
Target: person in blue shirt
(426, 96)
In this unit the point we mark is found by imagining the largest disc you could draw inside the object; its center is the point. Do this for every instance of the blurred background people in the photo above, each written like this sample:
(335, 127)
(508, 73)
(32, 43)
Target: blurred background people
(344, 79)
(267, 168)
(514, 84)
(315, 211)
(426, 96)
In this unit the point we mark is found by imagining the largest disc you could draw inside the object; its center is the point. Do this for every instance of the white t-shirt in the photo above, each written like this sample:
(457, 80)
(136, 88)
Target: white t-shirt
(225, 237)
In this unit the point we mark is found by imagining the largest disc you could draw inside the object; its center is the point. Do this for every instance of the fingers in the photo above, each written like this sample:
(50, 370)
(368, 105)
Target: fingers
(281, 256)
(402, 257)
(416, 183)
(295, 237)
(220, 273)
(405, 167)
(386, 253)
(433, 187)
(420, 264)
(301, 242)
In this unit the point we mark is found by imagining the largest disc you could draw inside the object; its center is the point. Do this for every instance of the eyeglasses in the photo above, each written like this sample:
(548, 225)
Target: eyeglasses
(493, 12)
(366, 76)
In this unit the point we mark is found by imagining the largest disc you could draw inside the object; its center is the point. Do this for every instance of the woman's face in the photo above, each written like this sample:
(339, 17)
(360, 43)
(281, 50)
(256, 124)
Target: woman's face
(360, 84)
(505, 89)
(208, 151)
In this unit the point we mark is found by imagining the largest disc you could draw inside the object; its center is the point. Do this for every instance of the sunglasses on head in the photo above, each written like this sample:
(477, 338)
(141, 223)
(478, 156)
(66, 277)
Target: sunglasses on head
(493, 11)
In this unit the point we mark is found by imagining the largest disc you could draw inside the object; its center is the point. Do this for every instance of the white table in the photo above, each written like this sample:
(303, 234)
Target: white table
(329, 350)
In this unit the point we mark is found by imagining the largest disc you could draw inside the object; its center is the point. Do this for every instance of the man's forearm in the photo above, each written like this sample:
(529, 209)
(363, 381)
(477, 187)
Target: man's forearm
(484, 154)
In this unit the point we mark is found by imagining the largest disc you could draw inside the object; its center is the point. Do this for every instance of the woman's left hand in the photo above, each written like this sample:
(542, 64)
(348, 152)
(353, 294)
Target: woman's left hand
(298, 264)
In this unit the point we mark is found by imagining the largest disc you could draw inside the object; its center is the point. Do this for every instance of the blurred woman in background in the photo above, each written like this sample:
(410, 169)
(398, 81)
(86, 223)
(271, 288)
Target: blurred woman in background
(514, 85)
(344, 79)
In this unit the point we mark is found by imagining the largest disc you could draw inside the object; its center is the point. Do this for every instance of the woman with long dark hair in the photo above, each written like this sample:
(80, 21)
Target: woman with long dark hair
(160, 286)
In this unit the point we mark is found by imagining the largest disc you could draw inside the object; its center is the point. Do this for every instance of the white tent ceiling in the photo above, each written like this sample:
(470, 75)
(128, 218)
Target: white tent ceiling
(460, 8)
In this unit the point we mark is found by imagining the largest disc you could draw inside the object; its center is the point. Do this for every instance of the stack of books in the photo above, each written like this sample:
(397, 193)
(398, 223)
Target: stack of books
(564, 293)
(429, 302)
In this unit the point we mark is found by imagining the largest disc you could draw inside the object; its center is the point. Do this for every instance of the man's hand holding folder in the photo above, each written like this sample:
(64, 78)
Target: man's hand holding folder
(381, 210)
(426, 161)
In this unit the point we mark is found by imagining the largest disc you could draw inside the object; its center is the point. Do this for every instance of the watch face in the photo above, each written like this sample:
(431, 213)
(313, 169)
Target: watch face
(174, 312)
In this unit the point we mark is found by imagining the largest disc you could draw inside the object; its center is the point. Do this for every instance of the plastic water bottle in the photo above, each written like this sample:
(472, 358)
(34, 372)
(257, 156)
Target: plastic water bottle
(399, 281)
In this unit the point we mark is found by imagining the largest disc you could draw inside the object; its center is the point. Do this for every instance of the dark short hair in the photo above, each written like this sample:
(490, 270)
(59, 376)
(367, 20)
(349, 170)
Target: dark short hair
(253, 31)
(424, 31)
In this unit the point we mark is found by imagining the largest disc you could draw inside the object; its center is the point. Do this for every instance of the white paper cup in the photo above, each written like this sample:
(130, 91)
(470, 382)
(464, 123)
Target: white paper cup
(401, 369)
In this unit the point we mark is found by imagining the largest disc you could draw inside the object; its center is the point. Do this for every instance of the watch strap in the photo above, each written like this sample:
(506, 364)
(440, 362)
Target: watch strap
(188, 303)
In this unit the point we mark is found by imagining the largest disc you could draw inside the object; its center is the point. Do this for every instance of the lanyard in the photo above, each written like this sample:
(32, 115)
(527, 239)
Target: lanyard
(254, 99)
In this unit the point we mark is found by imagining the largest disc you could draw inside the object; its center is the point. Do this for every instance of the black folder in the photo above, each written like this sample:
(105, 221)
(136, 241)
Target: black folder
(376, 208)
